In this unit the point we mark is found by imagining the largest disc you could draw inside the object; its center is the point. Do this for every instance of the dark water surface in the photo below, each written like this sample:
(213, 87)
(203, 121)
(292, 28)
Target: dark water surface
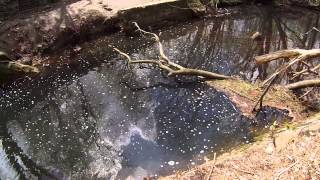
(109, 121)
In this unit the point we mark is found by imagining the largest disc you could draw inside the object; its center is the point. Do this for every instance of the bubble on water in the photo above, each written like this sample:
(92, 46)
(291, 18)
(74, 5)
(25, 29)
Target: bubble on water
(171, 163)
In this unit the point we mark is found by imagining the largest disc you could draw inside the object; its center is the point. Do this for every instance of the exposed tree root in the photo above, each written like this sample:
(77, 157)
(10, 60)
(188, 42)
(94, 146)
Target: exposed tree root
(166, 64)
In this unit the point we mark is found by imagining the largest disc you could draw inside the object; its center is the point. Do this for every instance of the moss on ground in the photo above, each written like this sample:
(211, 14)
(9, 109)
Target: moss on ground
(245, 95)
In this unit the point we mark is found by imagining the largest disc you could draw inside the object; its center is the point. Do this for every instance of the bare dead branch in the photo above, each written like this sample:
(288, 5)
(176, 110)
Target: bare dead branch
(304, 84)
(305, 54)
(276, 55)
(297, 74)
(260, 100)
(312, 29)
(157, 39)
(164, 62)
(297, 55)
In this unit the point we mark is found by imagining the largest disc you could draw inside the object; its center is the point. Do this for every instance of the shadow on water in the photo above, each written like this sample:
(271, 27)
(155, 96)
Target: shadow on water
(112, 122)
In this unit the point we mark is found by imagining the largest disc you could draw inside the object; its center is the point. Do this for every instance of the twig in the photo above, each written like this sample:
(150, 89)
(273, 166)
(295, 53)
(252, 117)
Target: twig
(305, 94)
(213, 165)
(312, 29)
(244, 171)
(177, 7)
(306, 70)
(157, 39)
(284, 170)
(263, 94)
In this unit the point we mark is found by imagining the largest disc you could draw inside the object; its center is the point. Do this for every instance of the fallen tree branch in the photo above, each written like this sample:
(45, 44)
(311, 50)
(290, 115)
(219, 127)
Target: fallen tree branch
(304, 54)
(276, 55)
(304, 84)
(297, 74)
(166, 64)
(312, 29)
(16, 68)
(260, 100)
(297, 55)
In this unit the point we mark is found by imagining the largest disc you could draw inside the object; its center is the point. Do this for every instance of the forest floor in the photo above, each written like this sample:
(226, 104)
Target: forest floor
(292, 152)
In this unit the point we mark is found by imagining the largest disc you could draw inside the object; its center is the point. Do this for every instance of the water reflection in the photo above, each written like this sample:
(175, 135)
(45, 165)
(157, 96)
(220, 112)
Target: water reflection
(113, 122)
(96, 127)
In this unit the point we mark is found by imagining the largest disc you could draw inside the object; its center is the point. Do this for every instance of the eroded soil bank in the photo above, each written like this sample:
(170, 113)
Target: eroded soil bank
(48, 29)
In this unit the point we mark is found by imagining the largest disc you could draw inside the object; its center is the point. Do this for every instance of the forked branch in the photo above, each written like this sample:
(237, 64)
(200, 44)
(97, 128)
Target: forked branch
(166, 64)
(296, 55)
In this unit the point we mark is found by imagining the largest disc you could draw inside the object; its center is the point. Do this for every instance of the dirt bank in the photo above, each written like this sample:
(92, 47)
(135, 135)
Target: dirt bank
(68, 22)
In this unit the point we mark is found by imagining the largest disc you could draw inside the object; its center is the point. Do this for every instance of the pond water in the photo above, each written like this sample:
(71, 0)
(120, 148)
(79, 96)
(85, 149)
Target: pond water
(96, 118)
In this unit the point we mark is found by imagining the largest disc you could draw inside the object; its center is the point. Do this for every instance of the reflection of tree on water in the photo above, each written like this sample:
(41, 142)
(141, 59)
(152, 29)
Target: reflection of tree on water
(62, 129)
(224, 45)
